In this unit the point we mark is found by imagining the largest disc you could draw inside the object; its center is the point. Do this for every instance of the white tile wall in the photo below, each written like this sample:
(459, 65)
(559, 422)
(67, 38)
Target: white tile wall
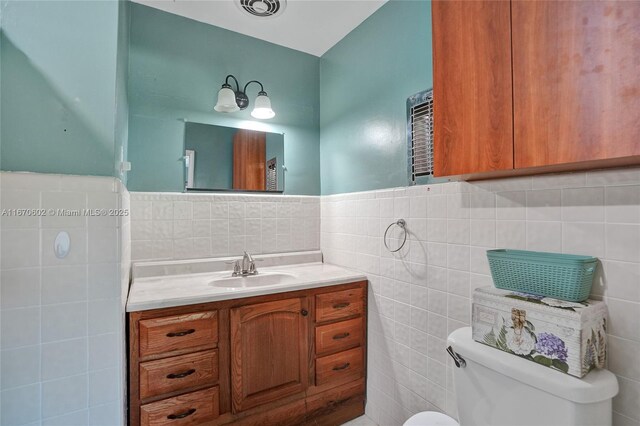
(62, 320)
(182, 226)
(422, 293)
(419, 295)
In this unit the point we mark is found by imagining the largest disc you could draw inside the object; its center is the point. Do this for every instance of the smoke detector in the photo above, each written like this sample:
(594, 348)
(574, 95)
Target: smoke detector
(263, 8)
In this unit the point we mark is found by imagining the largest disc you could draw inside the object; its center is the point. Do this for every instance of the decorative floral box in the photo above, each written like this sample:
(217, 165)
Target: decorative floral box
(566, 336)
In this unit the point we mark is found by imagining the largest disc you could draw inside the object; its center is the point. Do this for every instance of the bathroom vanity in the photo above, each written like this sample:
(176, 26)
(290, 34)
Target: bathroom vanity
(293, 352)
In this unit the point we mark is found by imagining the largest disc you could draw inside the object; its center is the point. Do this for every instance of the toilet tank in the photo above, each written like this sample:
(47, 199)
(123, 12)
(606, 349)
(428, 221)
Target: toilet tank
(496, 388)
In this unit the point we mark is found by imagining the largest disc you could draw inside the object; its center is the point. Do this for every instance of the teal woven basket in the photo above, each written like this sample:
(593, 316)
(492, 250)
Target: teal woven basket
(561, 276)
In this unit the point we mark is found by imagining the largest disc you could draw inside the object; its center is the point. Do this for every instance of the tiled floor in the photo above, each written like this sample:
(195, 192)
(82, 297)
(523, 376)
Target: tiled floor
(361, 421)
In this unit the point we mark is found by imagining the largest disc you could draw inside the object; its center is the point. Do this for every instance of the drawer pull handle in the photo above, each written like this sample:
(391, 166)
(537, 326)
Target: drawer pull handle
(341, 305)
(341, 336)
(181, 375)
(181, 333)
(342, 367)
(181, 415)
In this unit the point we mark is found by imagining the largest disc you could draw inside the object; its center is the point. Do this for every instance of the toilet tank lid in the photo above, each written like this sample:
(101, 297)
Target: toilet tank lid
(598, 385)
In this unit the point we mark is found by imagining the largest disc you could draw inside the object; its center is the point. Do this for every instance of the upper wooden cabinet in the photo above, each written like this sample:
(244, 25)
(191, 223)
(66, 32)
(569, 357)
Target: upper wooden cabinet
(472, 87)
(532, 86)
(576, 81)
(269, 351)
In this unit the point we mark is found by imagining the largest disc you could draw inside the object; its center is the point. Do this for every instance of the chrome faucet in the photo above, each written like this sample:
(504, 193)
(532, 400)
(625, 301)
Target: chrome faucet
(245, 266)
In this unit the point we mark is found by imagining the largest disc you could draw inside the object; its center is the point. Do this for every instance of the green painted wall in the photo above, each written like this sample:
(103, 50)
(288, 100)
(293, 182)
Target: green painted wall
(156, 166)
(64, 113)
(59, 79)
(176, 67)
(365, 80)
(214, 154)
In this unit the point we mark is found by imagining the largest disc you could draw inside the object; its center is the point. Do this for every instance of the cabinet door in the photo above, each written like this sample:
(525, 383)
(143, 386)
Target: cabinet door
(269, 351)
(472, 88)
(576, 76)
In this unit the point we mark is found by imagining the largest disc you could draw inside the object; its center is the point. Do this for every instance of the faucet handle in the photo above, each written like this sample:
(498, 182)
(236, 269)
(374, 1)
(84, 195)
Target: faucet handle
(237, 270)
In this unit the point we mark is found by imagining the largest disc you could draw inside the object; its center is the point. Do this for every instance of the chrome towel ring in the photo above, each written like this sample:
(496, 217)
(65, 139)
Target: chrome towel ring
(403, 225)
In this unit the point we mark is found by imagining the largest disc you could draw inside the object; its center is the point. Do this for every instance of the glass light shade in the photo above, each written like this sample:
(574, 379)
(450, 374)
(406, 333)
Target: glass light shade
(262, 107)
(226, 101)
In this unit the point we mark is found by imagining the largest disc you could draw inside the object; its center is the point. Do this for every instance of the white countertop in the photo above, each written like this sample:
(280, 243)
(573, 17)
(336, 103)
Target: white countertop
(187, 289)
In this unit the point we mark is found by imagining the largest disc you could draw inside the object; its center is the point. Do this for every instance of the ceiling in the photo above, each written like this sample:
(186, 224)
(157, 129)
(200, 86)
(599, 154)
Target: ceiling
(311, 26)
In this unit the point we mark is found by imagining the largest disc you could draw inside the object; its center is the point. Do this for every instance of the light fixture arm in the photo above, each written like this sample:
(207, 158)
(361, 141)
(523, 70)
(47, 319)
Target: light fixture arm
(226, 82)
(254, 81)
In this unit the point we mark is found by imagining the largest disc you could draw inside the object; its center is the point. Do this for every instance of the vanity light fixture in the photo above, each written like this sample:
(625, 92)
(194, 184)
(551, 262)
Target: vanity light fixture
(233, 101)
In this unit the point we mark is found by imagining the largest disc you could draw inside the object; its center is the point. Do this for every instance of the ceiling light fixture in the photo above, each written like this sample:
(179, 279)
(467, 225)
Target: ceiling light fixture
(233, 101)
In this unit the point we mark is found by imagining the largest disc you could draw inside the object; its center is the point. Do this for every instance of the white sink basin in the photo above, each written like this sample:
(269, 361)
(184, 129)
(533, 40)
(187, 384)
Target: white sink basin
(259, 280)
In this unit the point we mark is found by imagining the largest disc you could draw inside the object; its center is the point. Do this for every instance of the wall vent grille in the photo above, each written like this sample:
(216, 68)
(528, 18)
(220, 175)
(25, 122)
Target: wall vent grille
(272, 175)
(420, 135)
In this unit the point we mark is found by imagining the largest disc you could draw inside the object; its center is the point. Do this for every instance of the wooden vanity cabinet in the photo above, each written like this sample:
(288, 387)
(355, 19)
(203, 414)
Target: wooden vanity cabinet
(287, 359)
(523, 87)
(269, 351)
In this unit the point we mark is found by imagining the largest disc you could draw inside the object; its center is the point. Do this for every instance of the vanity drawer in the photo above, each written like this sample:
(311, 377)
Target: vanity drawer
(179, 372)
(341, 366)
(178, 332)
(338, 336)
(339, 304)
(189, 409)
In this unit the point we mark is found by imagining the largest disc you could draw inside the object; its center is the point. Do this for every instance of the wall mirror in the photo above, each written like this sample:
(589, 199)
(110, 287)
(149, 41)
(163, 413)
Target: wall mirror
(221, 158)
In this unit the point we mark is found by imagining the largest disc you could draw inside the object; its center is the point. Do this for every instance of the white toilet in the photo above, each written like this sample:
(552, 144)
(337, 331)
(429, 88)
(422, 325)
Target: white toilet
(494, 388)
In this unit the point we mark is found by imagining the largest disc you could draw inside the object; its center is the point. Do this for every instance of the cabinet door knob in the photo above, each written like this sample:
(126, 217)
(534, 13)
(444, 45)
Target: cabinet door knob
(181, 415)
(304, 312)
(181, 333)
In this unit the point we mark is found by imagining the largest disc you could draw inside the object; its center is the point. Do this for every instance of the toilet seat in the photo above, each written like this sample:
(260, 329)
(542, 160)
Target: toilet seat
(431, 418)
